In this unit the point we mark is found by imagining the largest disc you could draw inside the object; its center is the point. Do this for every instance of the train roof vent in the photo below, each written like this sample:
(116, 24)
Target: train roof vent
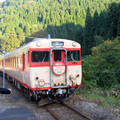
(49, 37)
(37, 39)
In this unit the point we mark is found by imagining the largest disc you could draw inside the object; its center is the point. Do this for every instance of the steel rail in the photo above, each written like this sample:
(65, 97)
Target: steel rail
(76, 111)
(81, 114)
(53, 113)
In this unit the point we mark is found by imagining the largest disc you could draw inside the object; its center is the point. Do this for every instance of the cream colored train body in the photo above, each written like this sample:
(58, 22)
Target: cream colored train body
(45, 68)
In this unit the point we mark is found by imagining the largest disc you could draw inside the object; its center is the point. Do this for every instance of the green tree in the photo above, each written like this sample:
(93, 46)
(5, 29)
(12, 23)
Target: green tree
(27, 29)
(118, 27)
(104, 23)
(114, 13)
(20, 35)
(3, 43)
(102, 67)
(87, 43)
(79, 34)
(110, 35)
(98, 40)
(12, 41)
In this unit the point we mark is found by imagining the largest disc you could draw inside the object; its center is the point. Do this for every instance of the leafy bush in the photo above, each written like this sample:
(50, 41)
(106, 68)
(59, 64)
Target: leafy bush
(102, 68)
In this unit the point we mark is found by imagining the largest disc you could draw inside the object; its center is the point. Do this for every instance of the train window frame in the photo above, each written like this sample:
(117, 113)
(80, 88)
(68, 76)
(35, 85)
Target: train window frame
(41, 58)
(72, 58)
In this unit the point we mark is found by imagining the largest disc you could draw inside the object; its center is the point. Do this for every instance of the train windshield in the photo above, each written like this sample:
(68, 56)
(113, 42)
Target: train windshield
(73, 56)
(57, 55)
(40, 56)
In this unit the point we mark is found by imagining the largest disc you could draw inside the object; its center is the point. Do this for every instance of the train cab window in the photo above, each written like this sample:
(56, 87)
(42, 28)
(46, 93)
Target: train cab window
(40, 56)
(57, 55)
(73, 56)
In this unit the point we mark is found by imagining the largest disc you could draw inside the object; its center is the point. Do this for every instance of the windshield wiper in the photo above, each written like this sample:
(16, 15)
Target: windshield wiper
(43, 59)
(73, 59)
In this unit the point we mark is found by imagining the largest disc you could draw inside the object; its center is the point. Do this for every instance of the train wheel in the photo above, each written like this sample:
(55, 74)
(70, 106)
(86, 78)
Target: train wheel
(25, 92)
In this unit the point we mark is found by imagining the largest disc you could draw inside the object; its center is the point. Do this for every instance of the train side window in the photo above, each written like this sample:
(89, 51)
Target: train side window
(40, 56)
(73, 56)
(18, 62)
(21, 62)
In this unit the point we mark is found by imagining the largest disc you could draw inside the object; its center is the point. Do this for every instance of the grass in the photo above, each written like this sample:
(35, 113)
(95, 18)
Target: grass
(101, 97)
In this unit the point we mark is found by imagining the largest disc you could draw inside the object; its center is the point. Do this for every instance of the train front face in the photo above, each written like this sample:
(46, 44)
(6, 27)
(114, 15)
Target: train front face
(63, 75)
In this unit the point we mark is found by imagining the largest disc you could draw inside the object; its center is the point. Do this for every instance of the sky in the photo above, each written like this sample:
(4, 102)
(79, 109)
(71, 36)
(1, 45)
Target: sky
(2, 0)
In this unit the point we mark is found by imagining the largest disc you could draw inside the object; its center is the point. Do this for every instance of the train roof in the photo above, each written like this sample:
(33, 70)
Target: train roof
(44, 43)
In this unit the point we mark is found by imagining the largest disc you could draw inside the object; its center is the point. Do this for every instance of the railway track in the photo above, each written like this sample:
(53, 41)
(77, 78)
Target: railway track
(65, 112)
(58, 111)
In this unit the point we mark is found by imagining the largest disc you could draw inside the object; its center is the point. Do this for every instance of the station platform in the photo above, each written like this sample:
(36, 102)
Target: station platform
(17, 114)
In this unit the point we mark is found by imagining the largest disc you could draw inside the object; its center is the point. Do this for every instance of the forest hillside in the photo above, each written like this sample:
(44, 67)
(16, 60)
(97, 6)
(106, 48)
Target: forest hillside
(88, 22)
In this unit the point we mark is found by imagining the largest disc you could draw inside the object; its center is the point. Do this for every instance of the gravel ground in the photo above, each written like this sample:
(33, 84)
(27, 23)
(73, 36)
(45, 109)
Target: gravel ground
(17, 100)
(93, 109)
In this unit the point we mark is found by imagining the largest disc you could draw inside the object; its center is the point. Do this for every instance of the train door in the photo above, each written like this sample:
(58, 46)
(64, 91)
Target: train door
(24, 67)
(58, 67)
(26, 71)
(23, 62)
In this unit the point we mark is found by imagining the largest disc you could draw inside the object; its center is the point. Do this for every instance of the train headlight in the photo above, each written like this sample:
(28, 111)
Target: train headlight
(38, 43)
(36, 78)
(77, 75)
(74, 44)
(78, 84)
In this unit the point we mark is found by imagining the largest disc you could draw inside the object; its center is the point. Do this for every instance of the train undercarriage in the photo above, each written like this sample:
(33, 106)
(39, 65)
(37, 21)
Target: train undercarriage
(54, 95)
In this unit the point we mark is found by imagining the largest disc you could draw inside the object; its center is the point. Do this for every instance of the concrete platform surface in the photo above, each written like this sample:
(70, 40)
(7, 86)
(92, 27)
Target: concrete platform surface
(17, 114)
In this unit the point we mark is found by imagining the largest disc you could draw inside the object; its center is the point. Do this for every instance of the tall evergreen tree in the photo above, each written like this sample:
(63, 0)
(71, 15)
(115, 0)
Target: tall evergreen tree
(104, 22)
(110, 35)
(87, 43)
(27, 29)
(114, 13)
(118, 27)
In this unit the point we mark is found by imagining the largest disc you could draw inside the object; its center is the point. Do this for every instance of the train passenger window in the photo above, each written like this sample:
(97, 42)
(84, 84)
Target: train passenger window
(57, 55)
(40, 56)
(73, 56)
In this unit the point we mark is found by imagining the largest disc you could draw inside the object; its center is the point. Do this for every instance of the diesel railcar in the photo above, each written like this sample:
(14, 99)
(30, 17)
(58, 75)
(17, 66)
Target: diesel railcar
(45, 68)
